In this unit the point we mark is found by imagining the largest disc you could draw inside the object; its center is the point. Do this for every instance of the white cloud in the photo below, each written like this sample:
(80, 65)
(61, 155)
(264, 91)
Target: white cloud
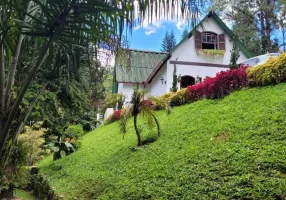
(174, 16)
(181, 25)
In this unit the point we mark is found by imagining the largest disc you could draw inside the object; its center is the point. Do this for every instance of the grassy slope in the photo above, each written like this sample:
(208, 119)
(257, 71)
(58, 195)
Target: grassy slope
(220, 149)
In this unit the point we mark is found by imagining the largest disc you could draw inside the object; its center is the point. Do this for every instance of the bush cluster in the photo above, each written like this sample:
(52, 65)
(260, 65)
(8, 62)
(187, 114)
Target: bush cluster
(273, 71)
(219, 86)
(115, 116)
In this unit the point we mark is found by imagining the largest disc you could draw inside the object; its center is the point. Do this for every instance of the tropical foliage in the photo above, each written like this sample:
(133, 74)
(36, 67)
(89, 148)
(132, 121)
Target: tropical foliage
(47, 47)
(139, 106)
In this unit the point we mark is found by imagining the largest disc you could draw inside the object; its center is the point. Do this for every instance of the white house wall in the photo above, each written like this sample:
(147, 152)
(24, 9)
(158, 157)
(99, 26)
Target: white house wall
(127, 89)
(156, 87)
(186, 52)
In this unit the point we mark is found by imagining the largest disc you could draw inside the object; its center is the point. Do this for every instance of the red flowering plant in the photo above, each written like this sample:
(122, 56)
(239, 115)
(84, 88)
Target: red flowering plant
(219, 86)
(115, 116)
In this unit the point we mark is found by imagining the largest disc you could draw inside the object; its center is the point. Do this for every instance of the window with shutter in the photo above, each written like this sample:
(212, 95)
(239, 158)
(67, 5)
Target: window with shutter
(209, 40)
(198, 40)
(221, 42)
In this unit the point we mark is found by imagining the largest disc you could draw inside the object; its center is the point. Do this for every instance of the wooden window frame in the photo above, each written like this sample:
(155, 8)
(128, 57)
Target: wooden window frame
(211, 35)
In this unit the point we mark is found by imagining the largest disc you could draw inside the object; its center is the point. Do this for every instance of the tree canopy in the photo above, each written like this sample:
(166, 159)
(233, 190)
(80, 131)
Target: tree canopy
(169, 42)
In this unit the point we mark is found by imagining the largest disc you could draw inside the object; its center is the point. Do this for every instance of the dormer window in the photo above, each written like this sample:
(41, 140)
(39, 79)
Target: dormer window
(209, 40)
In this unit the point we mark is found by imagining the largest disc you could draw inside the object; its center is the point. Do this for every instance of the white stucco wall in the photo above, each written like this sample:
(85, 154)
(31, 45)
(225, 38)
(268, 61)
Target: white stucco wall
(186, 52)
(127, 90)
(156, 87)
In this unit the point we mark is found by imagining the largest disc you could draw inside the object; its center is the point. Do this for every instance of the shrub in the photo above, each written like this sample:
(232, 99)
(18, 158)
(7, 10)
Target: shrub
(112, 100)
(159, 103)
(88, 122)
(74, 131)
(30, 143)
(273, 71)
(115, 116)
(222, 84)
(179, 98)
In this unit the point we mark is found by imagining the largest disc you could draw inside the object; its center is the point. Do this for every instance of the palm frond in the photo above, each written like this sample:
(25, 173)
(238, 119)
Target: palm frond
(124, 118)
(161, 103)
(157, 123)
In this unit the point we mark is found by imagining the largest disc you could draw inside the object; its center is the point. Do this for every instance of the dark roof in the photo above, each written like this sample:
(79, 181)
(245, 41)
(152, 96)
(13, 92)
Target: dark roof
(142, 63)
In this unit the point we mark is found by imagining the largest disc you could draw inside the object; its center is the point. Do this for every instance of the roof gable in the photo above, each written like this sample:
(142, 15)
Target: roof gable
(142, 63)
(224, 27)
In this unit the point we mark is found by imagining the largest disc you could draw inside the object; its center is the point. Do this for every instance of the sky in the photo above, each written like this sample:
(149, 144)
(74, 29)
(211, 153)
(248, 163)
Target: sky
(151, 37)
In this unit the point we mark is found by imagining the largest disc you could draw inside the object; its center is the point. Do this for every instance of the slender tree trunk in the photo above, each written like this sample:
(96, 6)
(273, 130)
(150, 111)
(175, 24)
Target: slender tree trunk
(13, 66)
(2, 79)
(139, 141)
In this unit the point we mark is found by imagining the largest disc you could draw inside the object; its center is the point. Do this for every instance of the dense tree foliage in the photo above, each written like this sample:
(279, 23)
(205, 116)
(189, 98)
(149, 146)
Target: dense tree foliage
(169, 42)
(255, 22)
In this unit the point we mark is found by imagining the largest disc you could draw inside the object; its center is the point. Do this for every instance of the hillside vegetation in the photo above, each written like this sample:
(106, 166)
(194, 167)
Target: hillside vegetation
(232, 148)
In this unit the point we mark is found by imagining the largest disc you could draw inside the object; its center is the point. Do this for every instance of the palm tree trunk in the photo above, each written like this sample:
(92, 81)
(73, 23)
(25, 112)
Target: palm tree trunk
(139, 141)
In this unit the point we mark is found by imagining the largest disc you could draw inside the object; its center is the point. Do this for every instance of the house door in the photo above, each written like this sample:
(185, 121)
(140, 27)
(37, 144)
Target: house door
(187, 81)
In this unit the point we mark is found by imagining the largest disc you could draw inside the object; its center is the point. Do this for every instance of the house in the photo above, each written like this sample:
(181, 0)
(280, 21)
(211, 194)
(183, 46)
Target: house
(201, 54)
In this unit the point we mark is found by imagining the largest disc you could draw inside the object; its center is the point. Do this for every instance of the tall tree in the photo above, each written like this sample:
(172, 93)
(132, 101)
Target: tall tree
(254, 21)
(169, 42)
(174, 87)
(184, 34)
(234, 53)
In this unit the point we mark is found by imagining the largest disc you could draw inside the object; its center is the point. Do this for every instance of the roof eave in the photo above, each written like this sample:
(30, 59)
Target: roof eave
(157, 68)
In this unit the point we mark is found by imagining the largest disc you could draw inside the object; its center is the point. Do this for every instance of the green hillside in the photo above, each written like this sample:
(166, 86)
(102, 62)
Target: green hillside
(232, 148)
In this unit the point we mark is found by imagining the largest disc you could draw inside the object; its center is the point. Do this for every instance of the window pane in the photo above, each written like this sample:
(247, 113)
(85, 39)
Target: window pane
(204, 37)
(213, 39)
(209, 38)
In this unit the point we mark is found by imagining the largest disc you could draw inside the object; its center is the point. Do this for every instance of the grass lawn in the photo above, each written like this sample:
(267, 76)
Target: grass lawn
(232, 148)
(24, 195)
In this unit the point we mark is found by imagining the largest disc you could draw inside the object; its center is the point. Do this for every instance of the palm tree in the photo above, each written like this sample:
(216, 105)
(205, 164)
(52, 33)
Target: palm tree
(140, 106)
(72, 25)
